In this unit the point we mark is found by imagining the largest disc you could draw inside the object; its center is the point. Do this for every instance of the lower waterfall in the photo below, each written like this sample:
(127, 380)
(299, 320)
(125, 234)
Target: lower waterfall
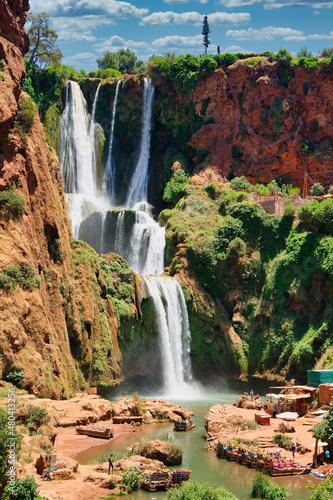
(174, 335)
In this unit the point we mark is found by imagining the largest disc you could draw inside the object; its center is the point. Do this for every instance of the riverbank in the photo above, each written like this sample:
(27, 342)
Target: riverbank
(227, 423)
(55, 434)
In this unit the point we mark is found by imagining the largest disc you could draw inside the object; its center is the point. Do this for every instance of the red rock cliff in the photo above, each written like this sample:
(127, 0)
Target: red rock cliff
(34, 334)
(261, 125)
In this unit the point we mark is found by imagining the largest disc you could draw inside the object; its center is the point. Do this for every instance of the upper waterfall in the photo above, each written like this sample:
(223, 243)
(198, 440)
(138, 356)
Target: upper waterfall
(138, 188)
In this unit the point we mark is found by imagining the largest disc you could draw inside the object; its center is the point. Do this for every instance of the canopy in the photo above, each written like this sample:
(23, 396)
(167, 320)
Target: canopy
(271, 395)
(287, 415)
(320, 443)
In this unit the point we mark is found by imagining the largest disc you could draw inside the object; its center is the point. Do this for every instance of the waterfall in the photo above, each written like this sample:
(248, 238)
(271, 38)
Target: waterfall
(174, 333)
(109, 173)
(77, 145)
(138, 188)
(119, 241)
(147, 245)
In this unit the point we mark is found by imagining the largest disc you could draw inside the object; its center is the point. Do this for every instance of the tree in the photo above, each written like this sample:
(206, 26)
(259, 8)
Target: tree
(326, 52)
(218, 49)
(43, 51)
(283, 57)
(25, 488)
(109, 60)
(304, 52)
(124, 60)
(205, 32)
(317, 189)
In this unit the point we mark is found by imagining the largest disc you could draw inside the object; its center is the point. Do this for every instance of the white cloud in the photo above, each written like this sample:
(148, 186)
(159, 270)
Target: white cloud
(176, 2)
(263, 34)
(77, 29)
(316, 12)
(84, 57)
(177, 41)
(273, 4)
(215, 19)
(115, 43)
(314, 36)
(115, 8)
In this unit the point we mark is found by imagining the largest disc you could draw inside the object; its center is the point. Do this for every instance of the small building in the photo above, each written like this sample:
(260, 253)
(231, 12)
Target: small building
(293, 398)
(317, 377)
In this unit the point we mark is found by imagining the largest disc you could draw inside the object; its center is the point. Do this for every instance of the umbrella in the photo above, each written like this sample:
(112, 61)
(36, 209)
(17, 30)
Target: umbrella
(271, 395)
(288, 415)
(320, 443)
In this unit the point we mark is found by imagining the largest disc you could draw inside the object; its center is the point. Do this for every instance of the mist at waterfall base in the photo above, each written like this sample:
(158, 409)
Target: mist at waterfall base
(92, 198)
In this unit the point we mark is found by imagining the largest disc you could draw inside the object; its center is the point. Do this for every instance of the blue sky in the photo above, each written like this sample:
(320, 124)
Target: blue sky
(88, 28)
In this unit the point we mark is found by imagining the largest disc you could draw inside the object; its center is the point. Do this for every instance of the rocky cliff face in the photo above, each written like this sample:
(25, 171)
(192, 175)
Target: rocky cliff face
(51, 318)
(262, 123)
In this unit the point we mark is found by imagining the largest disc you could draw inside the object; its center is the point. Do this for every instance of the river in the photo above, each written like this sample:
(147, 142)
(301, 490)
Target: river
(205, 466)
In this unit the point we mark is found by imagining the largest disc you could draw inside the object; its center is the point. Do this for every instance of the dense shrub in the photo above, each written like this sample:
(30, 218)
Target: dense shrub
(131, 478)
(230, 229)
(23, 275)
(199, 491)
(252, 218)
(26, 113)
(225, 59)
(240, 183)
(25, 488)
(174, 188)
(16, 376)
(187, 69)
(282, 440)
(37, 415)
(263, 488)
(308, 62)
(323, 491)
(11, 203)
(283, 57)
(317, 189)
(319, 216)
(104, 73)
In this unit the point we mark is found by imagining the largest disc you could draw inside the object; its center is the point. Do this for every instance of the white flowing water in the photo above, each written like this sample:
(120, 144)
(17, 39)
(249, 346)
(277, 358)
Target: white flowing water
(138, 188)
(119, 241)
(174, 335)
(110, 169)
(147, 245)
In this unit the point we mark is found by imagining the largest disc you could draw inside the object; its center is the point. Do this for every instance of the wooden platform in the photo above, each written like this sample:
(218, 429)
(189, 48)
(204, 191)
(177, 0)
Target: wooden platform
(164, 480)
(183, 425)
(96, 431)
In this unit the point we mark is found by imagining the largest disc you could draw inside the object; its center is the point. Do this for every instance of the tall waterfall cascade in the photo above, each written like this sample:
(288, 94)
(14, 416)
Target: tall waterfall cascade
(145, 248)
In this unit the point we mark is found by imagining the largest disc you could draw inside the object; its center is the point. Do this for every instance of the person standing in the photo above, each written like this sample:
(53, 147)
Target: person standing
(274, 411)
(251, 394)
(293, 449)
(110, 463)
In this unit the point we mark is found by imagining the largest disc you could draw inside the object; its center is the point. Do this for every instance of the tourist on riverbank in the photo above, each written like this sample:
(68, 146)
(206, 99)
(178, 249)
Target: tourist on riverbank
(274, 411)
(251, 394)
(110, 463)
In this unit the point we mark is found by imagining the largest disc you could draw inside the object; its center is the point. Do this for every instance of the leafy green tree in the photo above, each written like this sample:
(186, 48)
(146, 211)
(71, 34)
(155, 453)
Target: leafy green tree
(123, 60)
(205, 33)
(263, 488)
(304, 52)
(109, 60)
(283, 57)
(43, 50)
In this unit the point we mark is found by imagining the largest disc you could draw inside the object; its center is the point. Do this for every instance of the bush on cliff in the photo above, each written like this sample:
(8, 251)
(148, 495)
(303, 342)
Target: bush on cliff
(174, 188)
(11, 203)
(318, 216)
(23, 489)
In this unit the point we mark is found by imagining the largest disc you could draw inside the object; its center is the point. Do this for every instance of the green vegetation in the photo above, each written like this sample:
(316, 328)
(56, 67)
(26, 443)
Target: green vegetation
(131, 478)
(205, 32)
(124, 61)
(199, 491)
(15, 376)
(37, 416)
(174, 188)
(263, 488)
(6, 438)
(323, 491)
(26, 114)
(23, 275)
(12, 204)
(317, 189)
(25, 488)
(282, 440)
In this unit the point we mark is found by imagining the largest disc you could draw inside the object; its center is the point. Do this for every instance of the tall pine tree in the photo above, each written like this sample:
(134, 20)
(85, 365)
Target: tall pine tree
(205, 32)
